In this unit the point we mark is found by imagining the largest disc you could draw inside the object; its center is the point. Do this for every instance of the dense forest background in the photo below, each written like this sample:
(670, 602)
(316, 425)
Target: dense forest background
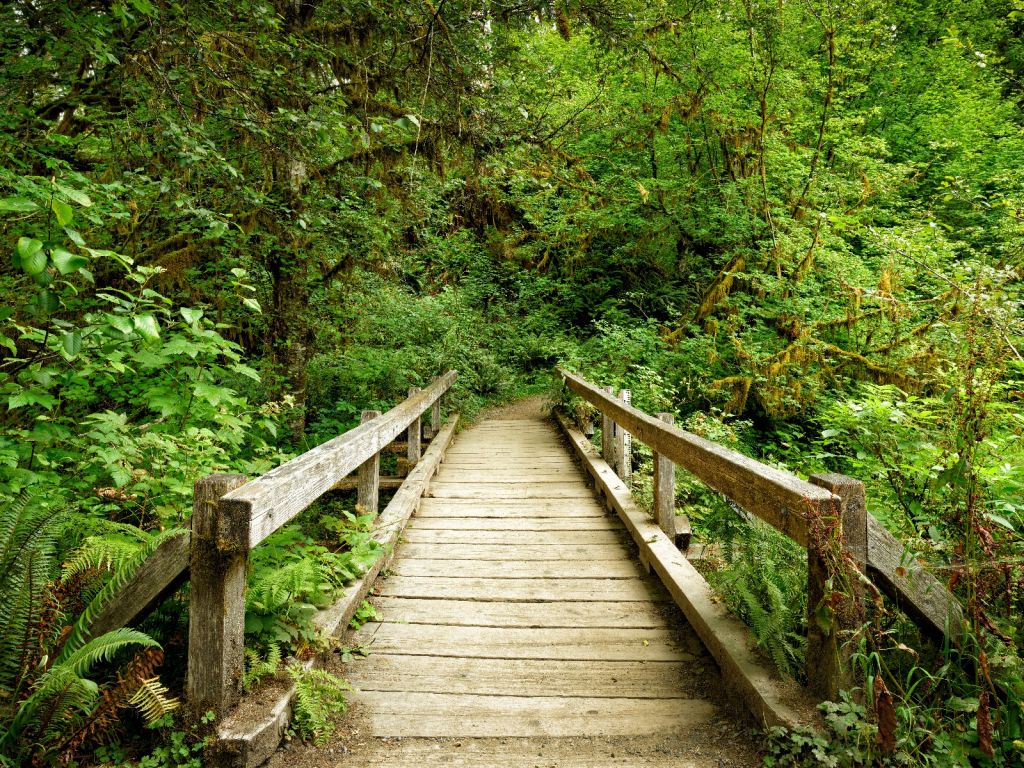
(233, 226)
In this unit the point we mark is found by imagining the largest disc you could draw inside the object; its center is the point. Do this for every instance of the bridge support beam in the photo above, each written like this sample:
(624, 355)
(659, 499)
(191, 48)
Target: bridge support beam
(415, 436)
(218, 561)
(838, 547)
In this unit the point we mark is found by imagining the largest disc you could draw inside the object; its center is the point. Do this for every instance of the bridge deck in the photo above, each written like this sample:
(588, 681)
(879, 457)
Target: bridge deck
(515, 612)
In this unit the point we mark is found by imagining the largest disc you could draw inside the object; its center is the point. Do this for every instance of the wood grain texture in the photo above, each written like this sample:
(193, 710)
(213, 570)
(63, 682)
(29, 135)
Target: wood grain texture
(432, 714)
(522, 590)
(581, 644)
(606, 551)
(483, 538)
(527, 677)
(476, 569)
(510, 508)
(473, 613)
(482, 490)
(534, 525)
(270, 501)
(777, 497)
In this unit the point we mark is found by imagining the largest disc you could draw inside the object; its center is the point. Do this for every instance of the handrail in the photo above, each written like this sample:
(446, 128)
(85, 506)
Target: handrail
(835, 504)
(231, 516)
(776, 496)
(261, 506)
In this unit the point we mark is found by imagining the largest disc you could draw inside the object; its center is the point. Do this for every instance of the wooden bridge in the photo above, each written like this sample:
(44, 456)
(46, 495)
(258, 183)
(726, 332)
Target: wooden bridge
(520, 622)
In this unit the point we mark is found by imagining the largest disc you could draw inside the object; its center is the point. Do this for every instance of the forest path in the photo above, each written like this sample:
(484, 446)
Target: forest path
(517, 629)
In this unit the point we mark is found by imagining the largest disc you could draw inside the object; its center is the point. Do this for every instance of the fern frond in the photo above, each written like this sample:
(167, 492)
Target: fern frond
(80, 632)
(257, 667)
(319, 695)
(103, 648)
(152, 701)
(101, 553)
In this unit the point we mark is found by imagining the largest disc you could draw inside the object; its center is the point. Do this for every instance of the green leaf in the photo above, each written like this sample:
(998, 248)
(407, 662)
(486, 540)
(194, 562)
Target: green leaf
(17, 205)
(74, 237)
(73, 342)
(253, 305)
(67, 262)
(49, 302)
(76, 195)
(1000, 520)
(30, 251)
(64, 212)
(192, 316)
(147, 326)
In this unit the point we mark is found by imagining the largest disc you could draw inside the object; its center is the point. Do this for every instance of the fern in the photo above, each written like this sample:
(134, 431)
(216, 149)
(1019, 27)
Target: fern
(152, 701)
(94, 554)
(319, 695)
(257, 667)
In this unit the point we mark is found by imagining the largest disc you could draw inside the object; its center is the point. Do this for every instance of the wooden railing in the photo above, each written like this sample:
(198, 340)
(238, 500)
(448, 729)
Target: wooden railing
(231, 515)
(826, 515)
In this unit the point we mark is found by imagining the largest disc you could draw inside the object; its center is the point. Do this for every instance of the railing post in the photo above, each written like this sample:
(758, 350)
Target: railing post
(665, 488)
(368, 490)
(607, 428)
(623, 444)
(833, 618)
(218, 562)
(435, 419)
(415, 435)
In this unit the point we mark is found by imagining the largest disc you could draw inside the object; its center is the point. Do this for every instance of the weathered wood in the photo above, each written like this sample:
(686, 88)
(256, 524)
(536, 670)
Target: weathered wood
(510, 508)
(520, 590)
(596, 644)
(777, 497)
(607, 433)
(612, 615)
(275, 498)
(440, 715)
(833, 616)
(527, 677)
(481, 569)
(624, 443)
(509, 551)
(248, 737)
(769, 700)
(489, 491)
(435, 418)
(157, 577)
(665, 488)
(218, 560)
(913, 589)
(484, 538)
(415, 434)
(384, 483)
(369, 480)
(531, 525)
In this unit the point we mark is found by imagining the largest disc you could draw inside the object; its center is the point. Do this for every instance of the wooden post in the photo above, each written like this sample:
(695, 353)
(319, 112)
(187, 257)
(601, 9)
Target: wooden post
(833, 618)
(665, 488)
(218, 562)
(368, 490)
(435, 418)
(607, 429)
(623, 444)
(415, 435)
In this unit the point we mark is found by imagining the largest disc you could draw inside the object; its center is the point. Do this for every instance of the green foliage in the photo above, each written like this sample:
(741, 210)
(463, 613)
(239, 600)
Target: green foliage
(257, 667)
(319, 697)
(364, 613)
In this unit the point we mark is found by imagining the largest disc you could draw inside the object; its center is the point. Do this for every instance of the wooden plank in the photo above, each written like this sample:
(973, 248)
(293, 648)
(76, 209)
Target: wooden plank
(512, 590)
(440, 490)
(539, 552)
(913, 589)
(517, 538)
(613, 615)
(582, 644)
(446, 715)
(777, 497)
(561, 463)
(368, 480)
(770, 701)
(452, 474)
(156, 577)
(533, 524)
(526, 677)
(539, 753)
(263, 505)
(477, 569)
(384, 483)
(510, 508)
